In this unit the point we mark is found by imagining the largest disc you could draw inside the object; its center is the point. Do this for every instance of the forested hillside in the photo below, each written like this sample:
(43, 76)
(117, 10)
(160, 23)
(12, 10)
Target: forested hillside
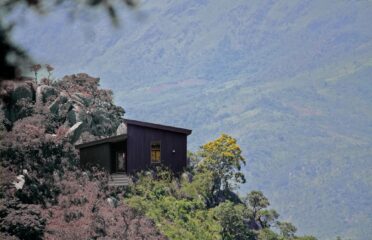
(45, 195)
(291, 80)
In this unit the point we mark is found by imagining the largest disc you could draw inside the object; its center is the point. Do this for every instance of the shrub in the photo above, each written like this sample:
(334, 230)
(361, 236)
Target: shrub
(25, 222)
(28, 147)
(159, 195)
(231, 217)
(71, 216)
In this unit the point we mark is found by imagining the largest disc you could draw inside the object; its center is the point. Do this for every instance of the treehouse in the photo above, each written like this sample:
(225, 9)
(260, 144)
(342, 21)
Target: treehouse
(141, 146)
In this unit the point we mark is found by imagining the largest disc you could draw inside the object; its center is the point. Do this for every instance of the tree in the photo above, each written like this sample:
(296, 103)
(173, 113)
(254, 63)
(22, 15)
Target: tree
(287, 229)
(267, 234)
(193, 158)
(200, 187)
(306, 238)
(9, 66)
(231, 217)
(258, 203)
(35, 68)
(49, 69)
(267, 217)
(222, 158)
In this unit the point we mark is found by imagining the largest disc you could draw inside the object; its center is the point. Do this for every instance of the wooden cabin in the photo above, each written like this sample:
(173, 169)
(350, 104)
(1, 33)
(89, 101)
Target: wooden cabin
(141, 146)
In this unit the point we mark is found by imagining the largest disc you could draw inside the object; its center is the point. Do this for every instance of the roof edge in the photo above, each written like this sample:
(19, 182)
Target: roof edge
(112, 139)
(158, 126)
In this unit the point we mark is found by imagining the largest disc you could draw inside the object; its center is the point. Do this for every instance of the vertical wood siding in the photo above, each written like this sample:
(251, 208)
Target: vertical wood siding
(138, 146)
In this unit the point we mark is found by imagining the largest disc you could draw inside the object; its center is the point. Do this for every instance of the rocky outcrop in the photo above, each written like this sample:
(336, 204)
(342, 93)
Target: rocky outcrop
(20, 180)
(16, 99)
(84, 100)
(57, 103)
(18, 184)
(44, 93)
(22, 91)
(75, 102)
(122, 129)
(113, 202)
(74, 132)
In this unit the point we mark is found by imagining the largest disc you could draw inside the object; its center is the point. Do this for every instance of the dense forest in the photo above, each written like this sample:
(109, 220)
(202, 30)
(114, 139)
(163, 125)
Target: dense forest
(44, 194)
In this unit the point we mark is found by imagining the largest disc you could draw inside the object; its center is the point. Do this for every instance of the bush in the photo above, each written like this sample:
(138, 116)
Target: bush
(231, 217)
(160, 196)
(37, 191)
(25, 222)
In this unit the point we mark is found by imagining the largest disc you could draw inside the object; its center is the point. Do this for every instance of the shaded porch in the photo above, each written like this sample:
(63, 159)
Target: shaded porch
(109, 153)
(119, 163)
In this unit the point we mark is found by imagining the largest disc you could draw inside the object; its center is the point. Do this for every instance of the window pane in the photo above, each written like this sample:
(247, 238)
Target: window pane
(157, 156)
(155, 146)
(155, 152)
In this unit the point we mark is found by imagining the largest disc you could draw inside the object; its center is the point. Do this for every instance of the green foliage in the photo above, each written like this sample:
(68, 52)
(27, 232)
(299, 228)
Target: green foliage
(159, 196)
(231, 217)
(188, 219)
(267, 234)
(258, 203)
(287, 229)
(184, 209)
(223, 158)
(257, 200)
(221, 162)
(305, 238)
(201, 187)
(194, 158)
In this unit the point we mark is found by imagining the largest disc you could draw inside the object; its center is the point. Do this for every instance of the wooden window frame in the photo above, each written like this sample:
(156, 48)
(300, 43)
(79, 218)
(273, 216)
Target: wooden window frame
(158, 160)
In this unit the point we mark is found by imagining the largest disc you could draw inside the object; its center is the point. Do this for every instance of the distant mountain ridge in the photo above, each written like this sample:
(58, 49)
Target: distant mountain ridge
(291, 80)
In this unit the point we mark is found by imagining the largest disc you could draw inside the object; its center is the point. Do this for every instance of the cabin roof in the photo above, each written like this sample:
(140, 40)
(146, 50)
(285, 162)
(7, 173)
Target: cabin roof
(123, 137)
(113, 139)
(158, 126)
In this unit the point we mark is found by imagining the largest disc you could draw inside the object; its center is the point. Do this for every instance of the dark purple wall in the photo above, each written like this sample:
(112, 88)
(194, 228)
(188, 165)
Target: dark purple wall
(138, 146)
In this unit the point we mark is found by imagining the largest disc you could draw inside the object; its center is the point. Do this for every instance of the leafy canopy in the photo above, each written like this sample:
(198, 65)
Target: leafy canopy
(223, 159)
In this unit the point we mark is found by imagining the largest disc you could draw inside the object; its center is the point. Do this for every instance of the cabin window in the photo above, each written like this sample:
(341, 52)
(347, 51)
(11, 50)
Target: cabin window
(155, 152)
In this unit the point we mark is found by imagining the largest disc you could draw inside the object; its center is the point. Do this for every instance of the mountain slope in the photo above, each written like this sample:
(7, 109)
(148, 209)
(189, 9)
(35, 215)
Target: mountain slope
(290, 80)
